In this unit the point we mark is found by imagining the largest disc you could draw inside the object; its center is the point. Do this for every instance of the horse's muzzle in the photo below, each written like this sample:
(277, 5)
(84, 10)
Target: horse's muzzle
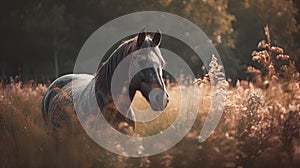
(158, 99)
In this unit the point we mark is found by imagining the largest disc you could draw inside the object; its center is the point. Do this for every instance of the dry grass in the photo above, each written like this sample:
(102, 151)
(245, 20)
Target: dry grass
(260, 125)
(258, 128)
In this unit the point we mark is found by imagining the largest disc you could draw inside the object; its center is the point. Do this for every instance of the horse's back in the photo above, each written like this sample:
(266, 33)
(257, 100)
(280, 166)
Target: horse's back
(58, 98)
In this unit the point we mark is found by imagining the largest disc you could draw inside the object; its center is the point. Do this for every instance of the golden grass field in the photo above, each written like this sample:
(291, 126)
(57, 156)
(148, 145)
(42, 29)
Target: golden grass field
(259, 128)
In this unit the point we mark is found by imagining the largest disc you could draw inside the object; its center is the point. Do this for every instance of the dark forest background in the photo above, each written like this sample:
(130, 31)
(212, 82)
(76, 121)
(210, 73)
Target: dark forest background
(40, 39)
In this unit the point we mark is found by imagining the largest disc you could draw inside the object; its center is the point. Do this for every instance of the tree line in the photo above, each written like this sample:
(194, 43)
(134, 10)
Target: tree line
(40, 39)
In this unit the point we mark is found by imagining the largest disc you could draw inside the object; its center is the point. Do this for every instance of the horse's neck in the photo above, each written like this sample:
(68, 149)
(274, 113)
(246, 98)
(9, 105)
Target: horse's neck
(103, 94)
(103, 80)
(110, 107)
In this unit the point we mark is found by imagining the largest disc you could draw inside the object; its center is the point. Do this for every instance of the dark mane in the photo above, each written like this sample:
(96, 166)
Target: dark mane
(105, 71)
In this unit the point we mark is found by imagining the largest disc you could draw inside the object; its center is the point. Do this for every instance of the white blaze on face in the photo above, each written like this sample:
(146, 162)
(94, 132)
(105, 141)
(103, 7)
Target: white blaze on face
(151, 58)
(158, 96)
(146, 57)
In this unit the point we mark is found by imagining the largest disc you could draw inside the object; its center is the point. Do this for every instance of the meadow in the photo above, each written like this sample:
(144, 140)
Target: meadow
(259, 127)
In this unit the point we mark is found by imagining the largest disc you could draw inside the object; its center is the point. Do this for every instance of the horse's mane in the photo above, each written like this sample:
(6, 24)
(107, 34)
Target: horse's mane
(106, 69)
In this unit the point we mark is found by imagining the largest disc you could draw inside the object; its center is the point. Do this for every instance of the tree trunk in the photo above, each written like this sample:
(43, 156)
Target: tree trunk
(56, 67)
(3, 75)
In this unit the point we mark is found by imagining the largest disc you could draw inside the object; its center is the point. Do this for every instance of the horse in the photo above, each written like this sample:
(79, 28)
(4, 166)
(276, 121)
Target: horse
(59, 98)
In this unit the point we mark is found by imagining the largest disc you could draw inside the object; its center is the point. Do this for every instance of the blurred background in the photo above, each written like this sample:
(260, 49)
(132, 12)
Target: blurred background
(260, 124)
(40, 39)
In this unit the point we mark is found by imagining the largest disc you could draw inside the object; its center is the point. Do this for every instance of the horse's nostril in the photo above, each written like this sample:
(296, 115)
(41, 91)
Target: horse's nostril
(158, 98)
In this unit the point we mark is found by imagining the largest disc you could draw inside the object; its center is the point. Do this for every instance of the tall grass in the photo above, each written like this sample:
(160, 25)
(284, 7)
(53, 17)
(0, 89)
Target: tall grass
(258, 128)
(260, 125)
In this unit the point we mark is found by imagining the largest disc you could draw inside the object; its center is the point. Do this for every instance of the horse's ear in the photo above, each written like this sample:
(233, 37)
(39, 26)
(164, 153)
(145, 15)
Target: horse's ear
(141, 37)
(157, 38)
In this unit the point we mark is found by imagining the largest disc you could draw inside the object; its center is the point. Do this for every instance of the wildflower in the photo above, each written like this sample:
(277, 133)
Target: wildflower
(282, 57)
(166, 160)
(262, 44)
(145, 162)
(215, 73)
(277, 50)
(255, 100)
(253, 70)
